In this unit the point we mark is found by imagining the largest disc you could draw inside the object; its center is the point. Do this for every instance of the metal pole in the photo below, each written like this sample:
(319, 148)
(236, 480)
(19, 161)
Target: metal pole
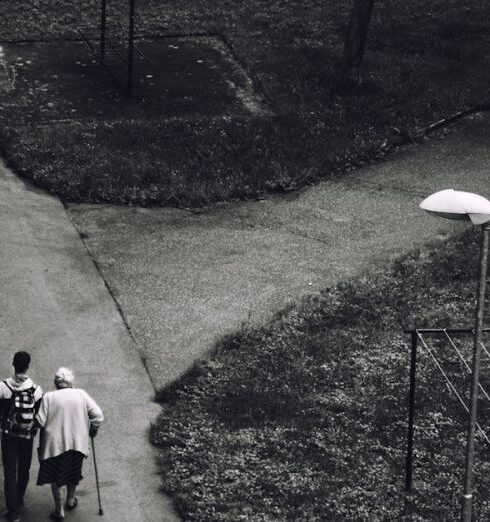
(470, 444)
(411, 414)
(129, 88)
(103, 12)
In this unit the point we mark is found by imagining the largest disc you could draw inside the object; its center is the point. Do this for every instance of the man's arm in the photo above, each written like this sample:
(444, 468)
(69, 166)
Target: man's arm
(4, 391)
(38, 395)
(5, 395)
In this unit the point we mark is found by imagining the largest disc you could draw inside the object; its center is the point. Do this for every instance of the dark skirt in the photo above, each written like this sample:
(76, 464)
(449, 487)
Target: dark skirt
(61, 470)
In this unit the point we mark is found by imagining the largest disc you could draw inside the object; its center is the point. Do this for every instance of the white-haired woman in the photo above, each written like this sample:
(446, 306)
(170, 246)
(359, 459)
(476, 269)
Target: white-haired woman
(67, 417)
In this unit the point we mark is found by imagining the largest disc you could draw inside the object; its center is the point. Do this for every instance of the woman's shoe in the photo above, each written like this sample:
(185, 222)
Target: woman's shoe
(69, 507)
(55, 516)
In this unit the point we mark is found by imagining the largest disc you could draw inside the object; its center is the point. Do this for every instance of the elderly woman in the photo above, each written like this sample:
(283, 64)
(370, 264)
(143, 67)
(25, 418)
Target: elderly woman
(67, 417)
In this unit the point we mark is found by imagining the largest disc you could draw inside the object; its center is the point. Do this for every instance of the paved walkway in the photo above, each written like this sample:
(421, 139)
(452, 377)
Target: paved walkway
(182, 279)
(54, 304)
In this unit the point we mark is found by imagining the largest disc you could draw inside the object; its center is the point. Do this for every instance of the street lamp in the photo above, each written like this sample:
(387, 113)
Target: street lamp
(465, 206)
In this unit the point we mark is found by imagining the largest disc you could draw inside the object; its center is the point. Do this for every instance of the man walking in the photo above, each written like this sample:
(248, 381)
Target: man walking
(20, 399)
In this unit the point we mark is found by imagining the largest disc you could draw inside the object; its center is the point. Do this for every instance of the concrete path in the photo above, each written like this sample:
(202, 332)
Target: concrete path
(54, 304)
(182, 279)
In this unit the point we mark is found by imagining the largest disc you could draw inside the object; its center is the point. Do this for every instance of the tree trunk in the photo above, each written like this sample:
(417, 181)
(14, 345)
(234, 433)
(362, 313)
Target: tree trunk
(355, 42)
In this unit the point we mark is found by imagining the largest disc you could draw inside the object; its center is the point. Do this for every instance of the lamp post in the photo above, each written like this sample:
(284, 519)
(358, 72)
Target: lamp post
(465, 206)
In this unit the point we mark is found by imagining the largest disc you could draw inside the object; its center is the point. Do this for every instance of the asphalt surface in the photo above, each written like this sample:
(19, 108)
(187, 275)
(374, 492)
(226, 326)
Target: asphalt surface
(182, 279)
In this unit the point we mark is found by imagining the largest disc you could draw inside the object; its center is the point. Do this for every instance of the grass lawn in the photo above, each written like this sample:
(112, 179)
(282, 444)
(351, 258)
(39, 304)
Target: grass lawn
(304, 419)
(424, 61)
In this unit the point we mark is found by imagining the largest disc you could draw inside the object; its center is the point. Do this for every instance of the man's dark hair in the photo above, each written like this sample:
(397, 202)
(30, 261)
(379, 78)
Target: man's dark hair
(21, 362)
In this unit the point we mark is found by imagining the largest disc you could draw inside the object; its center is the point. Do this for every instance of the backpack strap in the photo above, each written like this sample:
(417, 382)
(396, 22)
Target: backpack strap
(32, 389)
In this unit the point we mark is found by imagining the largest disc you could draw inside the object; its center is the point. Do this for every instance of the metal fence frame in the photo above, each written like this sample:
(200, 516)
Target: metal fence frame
(415, 334)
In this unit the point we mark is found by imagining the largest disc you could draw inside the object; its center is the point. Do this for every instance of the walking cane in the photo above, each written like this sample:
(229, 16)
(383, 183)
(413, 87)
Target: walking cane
(101, 511)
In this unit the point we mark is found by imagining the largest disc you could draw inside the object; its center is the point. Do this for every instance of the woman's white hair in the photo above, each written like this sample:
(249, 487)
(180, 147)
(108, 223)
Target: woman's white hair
(64, 377)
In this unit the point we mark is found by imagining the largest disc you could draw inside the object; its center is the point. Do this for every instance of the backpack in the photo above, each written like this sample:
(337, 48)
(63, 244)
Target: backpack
(18, 418)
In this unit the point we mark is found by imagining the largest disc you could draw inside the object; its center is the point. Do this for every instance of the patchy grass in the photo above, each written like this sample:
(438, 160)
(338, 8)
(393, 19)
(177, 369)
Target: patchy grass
(304, 418)
(424, 61)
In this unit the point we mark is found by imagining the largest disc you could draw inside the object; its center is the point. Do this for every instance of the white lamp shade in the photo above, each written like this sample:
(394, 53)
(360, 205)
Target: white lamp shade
(456, 204)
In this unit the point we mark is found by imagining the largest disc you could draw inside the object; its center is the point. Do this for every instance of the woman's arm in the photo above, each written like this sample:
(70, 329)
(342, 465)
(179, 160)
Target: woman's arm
(42, 414)
(94, 412)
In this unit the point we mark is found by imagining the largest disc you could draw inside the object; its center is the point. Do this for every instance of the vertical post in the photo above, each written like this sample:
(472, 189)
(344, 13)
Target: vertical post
(411, 414)
(129, 87)
(103, 12)
(470, 443)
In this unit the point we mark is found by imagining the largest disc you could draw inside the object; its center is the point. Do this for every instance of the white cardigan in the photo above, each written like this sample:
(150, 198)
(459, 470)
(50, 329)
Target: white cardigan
(65, 416)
